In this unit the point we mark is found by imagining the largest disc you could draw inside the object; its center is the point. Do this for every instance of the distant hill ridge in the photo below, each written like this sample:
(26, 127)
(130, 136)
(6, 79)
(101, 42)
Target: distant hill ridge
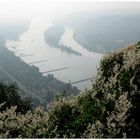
(104, 31)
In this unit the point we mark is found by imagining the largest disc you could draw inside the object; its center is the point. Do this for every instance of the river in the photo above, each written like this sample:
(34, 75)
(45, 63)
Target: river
(79, 67)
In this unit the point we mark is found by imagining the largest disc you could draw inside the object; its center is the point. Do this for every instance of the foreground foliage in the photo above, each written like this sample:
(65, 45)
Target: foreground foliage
(29, 125)
(9, 96)
(32, 84)
(110, 109)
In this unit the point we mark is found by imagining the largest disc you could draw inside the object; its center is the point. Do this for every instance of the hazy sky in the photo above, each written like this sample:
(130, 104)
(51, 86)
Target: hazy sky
(17, 9)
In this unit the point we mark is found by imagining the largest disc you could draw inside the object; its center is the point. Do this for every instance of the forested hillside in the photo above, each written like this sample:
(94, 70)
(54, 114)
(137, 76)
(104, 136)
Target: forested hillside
(52, 37)
(31, 82)
(110, 109)
(104, 31)
(13, 30)
(108, 32)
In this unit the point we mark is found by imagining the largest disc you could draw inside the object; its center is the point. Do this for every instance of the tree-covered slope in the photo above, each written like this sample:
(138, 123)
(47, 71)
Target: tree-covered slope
(12, 31)
(52, 37)
(30, 80)
(104, 31)
(107, 33)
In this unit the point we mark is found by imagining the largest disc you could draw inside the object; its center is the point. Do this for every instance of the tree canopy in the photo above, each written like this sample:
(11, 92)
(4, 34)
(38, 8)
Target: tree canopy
(9, 97)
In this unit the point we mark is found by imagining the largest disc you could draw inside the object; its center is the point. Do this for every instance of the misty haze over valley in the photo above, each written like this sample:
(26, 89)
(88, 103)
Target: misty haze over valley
(56, 48)
(76, 39)
(71, 41)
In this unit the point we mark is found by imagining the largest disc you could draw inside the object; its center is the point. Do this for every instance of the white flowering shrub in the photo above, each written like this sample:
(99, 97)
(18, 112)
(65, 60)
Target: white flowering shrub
(29, 125)
(117, 84)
